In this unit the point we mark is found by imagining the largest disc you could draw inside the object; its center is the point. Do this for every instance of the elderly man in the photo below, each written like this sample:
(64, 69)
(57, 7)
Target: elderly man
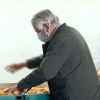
(66, 63)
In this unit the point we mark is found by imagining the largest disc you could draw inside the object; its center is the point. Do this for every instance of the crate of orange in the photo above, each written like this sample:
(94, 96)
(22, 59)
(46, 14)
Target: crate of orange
(15, 95)
(35, 93)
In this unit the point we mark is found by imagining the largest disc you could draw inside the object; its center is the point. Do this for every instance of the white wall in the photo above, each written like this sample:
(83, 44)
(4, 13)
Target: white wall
(18, 40)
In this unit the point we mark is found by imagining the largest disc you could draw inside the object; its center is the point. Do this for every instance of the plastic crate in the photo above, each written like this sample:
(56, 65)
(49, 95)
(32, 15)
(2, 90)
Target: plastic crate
(37, 97)
(11, 97)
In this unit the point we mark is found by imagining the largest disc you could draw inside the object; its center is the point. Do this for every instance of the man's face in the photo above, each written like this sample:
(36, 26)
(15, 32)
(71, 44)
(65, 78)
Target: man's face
(40, 30)
(45, 28)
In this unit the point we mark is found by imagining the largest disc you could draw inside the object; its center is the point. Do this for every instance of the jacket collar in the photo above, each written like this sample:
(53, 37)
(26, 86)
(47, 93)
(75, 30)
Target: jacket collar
(60, 28)
(57, 31)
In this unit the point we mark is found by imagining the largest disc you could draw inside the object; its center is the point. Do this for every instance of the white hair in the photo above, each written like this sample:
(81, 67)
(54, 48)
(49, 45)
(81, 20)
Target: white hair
(45, 16)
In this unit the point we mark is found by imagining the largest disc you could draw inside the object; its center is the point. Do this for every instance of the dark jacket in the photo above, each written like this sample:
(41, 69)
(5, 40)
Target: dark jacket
(68, 67)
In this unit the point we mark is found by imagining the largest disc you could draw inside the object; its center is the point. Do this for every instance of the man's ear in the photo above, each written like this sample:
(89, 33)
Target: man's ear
(47, 26)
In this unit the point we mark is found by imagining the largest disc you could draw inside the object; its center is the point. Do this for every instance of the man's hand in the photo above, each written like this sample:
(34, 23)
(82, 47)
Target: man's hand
(11, 90)
(15, 67)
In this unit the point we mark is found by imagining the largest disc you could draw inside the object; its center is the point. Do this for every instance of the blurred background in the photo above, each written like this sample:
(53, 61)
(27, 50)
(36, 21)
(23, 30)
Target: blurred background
(18, 40)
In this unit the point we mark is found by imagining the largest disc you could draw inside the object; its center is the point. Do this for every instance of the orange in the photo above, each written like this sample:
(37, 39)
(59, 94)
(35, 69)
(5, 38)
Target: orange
(10, 93)
(41, 89)
(29, 92)
(45, 91)
(1, 92)
(39, 92)
(16, 92)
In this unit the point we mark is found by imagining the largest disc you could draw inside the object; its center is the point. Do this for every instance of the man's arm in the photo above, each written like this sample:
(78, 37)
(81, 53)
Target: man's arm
(34, 62)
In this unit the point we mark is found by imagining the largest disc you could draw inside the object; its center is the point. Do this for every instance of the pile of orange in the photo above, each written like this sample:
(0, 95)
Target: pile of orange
(38, 90)
(33, 90)
(2, 92)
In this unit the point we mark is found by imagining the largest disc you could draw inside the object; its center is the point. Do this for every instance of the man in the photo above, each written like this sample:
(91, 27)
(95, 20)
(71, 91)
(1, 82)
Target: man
(66, 63)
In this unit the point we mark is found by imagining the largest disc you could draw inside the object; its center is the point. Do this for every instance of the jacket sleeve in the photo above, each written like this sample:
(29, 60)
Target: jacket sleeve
(34, 62)
(35, 78)
(49, 67)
